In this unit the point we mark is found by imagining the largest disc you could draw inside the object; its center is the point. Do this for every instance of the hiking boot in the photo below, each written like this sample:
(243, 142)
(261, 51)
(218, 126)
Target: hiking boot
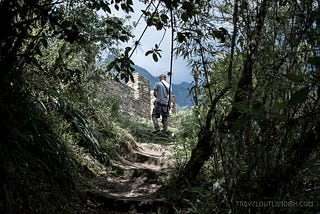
(156, 131)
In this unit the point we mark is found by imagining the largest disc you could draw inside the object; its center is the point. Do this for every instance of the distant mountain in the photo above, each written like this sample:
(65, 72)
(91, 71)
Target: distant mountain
(180, 91)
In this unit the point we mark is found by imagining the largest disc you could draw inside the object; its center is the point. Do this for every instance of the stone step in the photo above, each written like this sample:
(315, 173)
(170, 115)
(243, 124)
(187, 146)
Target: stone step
(151, 173)
(140, 157)
(104, 203)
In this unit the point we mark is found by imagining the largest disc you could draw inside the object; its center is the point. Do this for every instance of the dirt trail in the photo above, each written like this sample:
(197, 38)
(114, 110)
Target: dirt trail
(131, 184)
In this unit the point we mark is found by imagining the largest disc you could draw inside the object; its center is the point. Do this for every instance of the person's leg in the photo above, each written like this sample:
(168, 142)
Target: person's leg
(165, 123)
(155, 115)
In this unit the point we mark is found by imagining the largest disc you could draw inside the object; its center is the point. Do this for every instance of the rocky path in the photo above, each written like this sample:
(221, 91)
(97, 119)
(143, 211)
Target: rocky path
(131, 185)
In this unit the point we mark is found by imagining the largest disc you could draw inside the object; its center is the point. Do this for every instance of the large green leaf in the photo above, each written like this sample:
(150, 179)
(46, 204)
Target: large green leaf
(240, 124)
(299, 96)
(314, 60)
(295, 78)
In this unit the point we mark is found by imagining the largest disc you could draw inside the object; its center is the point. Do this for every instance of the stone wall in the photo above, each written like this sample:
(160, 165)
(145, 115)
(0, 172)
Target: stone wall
(134, 97)
(141, 96)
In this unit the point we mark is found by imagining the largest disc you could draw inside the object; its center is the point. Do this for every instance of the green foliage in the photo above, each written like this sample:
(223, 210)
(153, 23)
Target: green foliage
(185, 136)
(261, 150)
(155, 19)
(314, 60)
(37, 166)
(88, 137)
(121, 66)
(52, 115)
(48, 51)
(155, 53)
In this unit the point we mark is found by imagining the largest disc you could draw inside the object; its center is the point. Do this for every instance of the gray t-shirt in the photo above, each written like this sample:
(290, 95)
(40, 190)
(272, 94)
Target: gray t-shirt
(162, 93)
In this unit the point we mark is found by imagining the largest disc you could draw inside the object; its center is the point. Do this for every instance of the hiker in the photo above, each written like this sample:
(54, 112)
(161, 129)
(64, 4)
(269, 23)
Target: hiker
(162, 103)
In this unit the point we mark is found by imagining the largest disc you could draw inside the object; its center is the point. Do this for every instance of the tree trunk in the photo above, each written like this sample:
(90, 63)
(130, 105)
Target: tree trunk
(205, 146)
(244, 88)
(199, 156)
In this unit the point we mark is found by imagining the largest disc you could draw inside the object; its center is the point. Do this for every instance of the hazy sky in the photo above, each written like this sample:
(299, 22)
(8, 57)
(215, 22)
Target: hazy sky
(180, 70)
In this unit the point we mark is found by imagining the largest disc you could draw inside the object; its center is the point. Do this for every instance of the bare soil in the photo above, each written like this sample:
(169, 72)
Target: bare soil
(131, 183)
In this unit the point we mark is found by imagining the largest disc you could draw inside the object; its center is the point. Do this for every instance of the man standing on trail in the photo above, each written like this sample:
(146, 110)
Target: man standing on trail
(162, 92)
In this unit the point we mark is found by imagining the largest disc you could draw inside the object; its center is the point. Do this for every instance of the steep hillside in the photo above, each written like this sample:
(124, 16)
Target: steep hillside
(180, 91)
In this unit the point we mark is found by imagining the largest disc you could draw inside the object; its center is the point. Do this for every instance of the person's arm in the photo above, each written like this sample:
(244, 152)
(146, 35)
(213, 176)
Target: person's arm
(155, 88)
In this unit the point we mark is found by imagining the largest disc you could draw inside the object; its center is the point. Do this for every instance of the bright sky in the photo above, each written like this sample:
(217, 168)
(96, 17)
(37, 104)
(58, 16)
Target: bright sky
(179, 69)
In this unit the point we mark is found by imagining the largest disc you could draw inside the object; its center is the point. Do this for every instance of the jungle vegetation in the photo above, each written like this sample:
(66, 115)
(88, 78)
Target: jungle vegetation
(251, 136)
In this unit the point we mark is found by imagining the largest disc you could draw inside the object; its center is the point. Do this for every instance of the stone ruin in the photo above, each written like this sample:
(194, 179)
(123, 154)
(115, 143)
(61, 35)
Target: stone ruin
(135, 97)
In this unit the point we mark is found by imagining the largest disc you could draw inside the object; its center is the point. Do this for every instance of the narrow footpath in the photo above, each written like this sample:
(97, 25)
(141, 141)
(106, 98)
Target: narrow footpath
(131, 184)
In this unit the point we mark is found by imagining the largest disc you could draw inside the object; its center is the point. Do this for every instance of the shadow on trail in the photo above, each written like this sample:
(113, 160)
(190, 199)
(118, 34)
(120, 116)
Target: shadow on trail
(132, 183)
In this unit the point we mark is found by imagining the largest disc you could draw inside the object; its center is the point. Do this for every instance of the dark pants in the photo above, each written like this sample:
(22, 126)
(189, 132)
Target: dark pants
(163, 111)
